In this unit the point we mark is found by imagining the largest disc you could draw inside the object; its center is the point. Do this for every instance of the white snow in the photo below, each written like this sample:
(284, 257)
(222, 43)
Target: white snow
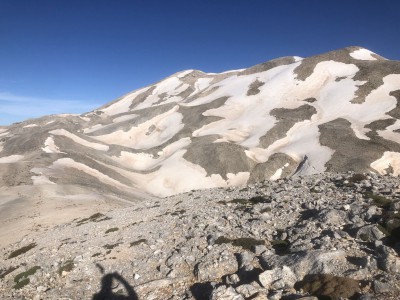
(389, 159)
(93, 128)
(70, 163)
(124, 118)
(177, 175)
(10, 159)
(145, 161)
(39, 178)
(50, 146)
(149, 134)
(362, 54)
(277, 174)
(79, 140)
(184, 73)
(30, 126)
(122, 106)
(171, 86)
(4, 133)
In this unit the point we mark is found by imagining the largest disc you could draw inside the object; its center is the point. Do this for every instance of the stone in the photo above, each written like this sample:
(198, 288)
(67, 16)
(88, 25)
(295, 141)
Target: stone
(382, 287)
(246, 290)
(214, 265)
(225, 293)
(278, 278)
(370, 233)
(306, 262)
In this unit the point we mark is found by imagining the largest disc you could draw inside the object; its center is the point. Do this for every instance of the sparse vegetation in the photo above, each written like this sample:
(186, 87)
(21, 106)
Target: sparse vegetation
(280, 246)
(245, 243)
(326, 286)
(138, 242)
(112, 229)
(22, 279)
(67, 266)
(22, 250)
(110, 247)
(178, 212)
(6, 272)
(379, 201)
(97, 217)
(356, 178)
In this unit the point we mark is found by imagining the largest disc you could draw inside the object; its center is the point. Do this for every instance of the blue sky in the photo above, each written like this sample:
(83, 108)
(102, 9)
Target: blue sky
(73, 56)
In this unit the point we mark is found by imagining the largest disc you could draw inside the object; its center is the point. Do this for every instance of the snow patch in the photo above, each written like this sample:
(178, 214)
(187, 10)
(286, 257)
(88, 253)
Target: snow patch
(387, 161)
(70, 163)
(125, 118)
(362, 54)
(30, 126)
(145, 161)
(149, 134)
(79, 140)
(50, 146)
(122, 106)
(10, 159)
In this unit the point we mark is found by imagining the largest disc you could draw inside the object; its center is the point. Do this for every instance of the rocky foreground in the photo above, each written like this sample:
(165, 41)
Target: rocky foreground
(332, 235)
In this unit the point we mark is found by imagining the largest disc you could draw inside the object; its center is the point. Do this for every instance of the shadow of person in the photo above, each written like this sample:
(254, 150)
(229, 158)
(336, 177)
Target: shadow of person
(106, 292)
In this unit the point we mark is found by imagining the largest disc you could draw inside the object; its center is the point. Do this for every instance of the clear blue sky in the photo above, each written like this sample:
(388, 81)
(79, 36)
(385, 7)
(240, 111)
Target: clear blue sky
(74, 55)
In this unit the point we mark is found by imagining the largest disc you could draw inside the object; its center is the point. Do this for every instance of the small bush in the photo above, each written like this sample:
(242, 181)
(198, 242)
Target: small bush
(112, 229)
(379, 201)
(68, 266)
(245, 243)
(22, 279)
(280, 246)
(97, 217)
(22, 250)
(110, 247)
(138, 242)
(357, 178)
(6, 272)
(328, 286)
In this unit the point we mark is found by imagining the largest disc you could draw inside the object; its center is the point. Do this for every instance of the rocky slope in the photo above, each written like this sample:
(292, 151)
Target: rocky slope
(332, 235)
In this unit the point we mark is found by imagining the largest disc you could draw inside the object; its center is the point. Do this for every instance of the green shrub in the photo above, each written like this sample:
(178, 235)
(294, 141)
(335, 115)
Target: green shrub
(22, 250)
(112, 230)
(22, 279)
(68, 266)
(379, 201)
(245, 243)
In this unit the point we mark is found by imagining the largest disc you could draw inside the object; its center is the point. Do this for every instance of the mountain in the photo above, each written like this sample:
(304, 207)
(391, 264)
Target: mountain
(334, 112)
(81, 213)
(198, 130)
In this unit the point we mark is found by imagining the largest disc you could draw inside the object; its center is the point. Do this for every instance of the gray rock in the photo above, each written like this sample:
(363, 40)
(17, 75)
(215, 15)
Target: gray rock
(225, 293)
(278, 278)
(307, 262)
(370, 233)
(382, 287)
(215, 265)
(247, 290)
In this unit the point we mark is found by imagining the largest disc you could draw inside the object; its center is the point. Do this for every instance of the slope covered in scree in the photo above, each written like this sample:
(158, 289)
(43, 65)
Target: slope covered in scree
(197, 130)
